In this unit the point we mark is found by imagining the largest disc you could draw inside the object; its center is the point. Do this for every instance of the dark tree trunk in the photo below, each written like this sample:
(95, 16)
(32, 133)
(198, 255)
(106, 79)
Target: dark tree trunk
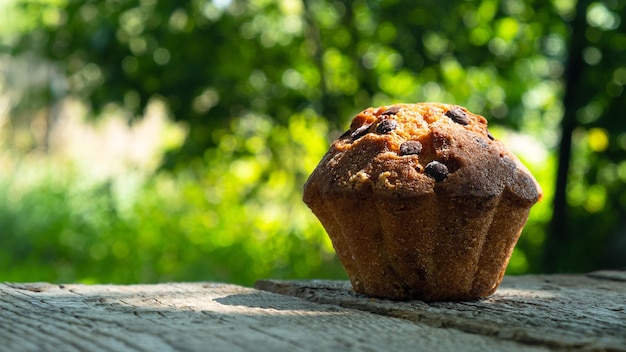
(556, 245)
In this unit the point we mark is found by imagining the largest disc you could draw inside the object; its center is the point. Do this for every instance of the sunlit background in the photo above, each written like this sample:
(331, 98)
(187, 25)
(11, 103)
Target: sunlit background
(146, 141)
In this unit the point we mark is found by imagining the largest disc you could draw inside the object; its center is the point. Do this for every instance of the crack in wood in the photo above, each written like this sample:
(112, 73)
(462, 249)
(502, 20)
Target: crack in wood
(532, 313)
(557, 311)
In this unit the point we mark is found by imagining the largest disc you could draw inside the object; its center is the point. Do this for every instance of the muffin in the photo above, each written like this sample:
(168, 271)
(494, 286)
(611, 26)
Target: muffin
(421, 202)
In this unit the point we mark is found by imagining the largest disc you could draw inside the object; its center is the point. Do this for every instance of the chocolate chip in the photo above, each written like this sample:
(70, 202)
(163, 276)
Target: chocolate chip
(491, 136)
(386, 126)
(360, 132)
(457, 115)
(436, 170)
(481, 142)
(391, 111)
(410, 148)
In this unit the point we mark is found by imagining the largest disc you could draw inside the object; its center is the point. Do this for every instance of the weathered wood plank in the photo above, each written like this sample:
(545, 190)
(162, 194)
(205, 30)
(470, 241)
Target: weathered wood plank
(614, 275)
(559, 311)
(207, 317)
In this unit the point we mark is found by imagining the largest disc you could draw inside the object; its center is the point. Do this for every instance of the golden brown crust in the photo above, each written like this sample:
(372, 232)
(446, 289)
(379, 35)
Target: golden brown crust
(420, 201)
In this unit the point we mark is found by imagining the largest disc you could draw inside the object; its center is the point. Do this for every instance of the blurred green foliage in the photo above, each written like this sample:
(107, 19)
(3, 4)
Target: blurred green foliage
(262, 86)
(233, 215)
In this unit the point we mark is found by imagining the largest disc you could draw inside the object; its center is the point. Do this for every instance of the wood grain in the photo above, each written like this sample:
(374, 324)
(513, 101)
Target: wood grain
(209, 317)
(565, 312)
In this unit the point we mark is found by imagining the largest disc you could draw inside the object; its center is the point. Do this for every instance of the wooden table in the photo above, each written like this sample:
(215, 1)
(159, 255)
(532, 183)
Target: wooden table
(527, 313)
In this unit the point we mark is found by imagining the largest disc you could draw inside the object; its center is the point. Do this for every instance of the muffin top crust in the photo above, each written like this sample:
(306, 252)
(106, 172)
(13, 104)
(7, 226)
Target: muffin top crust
(412, 150)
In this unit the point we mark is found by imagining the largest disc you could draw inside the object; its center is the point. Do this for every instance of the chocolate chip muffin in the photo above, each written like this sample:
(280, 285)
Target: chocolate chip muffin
(421, 202)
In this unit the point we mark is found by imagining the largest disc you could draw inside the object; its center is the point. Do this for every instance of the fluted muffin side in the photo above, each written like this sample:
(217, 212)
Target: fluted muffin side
(420, 201)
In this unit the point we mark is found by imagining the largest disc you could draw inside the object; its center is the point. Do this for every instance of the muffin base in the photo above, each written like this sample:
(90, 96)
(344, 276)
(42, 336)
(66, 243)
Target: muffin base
(393, 251)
